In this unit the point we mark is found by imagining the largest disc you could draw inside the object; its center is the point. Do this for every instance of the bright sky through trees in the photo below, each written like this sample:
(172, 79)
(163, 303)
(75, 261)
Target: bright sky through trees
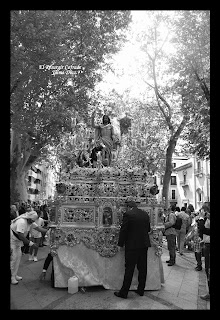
(127, 62)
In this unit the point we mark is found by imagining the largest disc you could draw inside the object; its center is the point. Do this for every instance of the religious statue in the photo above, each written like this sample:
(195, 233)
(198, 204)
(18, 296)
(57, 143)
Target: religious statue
(105, 141)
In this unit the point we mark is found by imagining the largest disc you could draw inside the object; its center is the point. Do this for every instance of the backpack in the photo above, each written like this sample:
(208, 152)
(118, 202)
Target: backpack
(177, 225)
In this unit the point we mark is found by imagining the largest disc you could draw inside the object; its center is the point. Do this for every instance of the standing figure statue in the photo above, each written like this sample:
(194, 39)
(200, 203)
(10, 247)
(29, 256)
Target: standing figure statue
(105, 141)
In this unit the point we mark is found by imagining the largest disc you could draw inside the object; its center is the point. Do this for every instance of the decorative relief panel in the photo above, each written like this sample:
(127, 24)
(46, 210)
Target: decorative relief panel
(78, 215)
(82, 215)
(102, 240)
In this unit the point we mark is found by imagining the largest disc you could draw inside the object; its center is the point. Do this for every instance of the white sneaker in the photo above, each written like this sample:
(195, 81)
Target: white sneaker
(14, 281)
(31, 258)
(18, 278)
(35, 259)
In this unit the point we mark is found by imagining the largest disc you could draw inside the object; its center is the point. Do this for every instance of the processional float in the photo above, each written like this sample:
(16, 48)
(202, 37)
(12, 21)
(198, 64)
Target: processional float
(88, 212)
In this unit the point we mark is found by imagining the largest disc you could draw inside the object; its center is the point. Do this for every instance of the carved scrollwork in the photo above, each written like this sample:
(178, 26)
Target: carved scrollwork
(102, 240)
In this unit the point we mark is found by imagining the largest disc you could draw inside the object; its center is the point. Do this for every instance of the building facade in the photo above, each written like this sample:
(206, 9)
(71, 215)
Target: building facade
(41, 183)
(189, 183)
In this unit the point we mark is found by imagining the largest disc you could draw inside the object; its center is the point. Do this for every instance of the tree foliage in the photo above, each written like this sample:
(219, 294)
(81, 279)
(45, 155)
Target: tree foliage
(73, 43)
(192, 62)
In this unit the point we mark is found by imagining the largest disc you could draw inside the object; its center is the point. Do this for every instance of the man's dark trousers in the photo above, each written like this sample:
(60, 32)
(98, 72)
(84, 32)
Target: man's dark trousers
(133, 257)
(171, 245)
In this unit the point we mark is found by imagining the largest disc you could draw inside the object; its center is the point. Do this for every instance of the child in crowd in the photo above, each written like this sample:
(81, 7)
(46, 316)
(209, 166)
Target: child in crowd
(35, 236)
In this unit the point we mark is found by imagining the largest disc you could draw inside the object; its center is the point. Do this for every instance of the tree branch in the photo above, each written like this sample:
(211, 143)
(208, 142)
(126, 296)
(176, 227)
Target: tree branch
(162, 45)
(181, 127)
(159, 96)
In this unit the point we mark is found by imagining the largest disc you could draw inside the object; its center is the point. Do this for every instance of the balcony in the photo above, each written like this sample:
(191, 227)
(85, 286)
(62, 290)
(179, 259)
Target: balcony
(39, 176)
(172, 199)
(32, 174)
(199, 173)
(184, 183)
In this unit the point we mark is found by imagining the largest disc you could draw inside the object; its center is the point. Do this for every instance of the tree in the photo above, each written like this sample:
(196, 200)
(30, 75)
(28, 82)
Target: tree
(192, 61)
(55, 62)
(183, 93)
(171, 100)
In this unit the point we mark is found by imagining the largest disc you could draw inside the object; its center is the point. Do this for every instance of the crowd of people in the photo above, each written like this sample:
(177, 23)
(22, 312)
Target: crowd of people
(29, 223)
(28, 227)
(193, 234)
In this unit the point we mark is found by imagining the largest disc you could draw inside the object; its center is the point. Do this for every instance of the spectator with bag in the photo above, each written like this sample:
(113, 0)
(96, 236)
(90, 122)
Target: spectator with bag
(19, 228)
(170, 233)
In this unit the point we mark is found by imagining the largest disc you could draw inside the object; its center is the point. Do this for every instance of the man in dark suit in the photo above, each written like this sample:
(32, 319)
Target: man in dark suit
(134, 235)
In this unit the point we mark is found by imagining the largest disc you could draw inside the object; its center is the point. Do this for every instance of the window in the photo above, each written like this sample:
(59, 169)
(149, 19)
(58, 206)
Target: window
(200, 196)
(173, 194)
(173, 180)
(198, 166)
(174, 164)
(161, 179)
(184, 178)
(155, 180)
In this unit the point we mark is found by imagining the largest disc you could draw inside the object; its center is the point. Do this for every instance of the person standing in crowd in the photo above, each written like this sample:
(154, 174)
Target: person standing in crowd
(134, 236)
(22, 208)
(170, 233)
(14, 213)
(204, 234)
(45, 216)
(25, 248)
(188, 211)
(47, 261)
(19, 229)
(193, 235)
(35, 236)
(181, 234)
(177, 211)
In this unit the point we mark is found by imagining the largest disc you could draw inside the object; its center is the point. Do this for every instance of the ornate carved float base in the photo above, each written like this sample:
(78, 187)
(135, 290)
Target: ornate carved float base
(89, 210)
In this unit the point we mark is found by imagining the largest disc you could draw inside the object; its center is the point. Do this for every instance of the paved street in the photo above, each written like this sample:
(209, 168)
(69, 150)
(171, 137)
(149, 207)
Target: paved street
(181, 290)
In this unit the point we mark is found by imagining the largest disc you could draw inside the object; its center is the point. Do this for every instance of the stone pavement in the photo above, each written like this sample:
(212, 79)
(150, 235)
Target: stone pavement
(181, 290)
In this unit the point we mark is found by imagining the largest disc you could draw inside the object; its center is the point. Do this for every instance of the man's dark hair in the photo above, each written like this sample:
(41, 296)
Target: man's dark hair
(178, 209)
(131, 204)
(183, 209)
(107, 117)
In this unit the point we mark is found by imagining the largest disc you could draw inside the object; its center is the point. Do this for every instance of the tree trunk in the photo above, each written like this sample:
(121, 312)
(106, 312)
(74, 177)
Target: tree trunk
(18, 185)
(168, 170)
(21, 161)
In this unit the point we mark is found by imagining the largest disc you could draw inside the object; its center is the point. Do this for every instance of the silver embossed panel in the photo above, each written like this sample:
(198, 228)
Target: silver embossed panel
(75, 215)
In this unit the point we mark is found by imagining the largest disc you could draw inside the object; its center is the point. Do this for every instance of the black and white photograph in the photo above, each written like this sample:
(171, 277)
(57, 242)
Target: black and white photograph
(109, 160)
